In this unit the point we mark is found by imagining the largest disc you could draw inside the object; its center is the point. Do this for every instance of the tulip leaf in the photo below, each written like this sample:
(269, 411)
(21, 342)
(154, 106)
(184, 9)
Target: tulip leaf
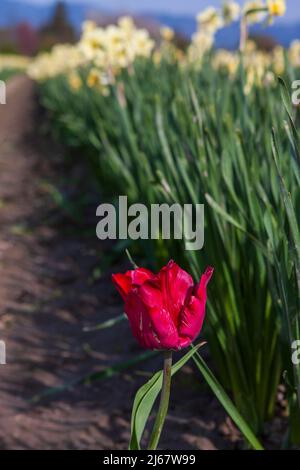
(226, 402)
(107, 324)
(145, 398)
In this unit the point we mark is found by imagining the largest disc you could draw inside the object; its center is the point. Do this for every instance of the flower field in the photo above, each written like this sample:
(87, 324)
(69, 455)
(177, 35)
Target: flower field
(9, 65)
(163, 125)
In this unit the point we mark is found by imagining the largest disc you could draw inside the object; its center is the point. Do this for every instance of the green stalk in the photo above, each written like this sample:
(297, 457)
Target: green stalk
(243, 33)
(164, 402)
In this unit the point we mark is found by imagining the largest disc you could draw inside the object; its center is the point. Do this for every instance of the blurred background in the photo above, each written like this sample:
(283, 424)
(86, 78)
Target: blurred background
(30, 26)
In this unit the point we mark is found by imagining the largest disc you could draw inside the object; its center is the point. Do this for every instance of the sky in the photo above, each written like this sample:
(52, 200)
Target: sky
(189, 7)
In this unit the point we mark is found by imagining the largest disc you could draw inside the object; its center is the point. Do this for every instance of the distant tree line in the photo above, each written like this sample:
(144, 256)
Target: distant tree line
(25, 39)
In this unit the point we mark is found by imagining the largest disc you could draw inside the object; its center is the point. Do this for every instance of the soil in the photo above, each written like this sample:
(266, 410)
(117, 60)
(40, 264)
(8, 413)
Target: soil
(54, 283)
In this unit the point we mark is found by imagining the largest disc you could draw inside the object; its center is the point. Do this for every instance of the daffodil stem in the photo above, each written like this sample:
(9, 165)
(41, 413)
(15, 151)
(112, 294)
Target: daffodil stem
(243, 33)
(164, 402)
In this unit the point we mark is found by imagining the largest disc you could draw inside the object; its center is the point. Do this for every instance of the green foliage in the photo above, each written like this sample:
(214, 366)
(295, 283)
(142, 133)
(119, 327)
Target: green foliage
(5, 74)
(174, 134)
(145, 399)
(223, 398)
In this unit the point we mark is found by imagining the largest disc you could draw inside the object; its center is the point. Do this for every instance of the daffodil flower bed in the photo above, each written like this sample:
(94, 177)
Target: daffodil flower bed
(12, 64)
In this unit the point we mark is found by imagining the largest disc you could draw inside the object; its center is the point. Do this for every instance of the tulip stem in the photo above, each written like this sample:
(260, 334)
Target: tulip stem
(164, 402)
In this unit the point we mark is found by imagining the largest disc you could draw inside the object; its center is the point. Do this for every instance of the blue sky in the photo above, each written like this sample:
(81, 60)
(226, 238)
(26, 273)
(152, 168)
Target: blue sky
(169, 6)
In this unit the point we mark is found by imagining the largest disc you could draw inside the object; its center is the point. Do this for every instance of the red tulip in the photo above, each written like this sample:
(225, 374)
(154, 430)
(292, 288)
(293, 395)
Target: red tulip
(165, 310)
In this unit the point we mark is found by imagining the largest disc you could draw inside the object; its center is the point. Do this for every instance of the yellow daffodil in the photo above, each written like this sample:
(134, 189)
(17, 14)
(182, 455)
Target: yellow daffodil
(106, 51)
(96, 79)
(276, 7)
(75, 81)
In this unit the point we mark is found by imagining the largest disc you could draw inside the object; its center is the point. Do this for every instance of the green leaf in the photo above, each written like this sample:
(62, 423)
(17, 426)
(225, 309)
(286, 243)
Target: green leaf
(223, 213)
(106, 324)
(145, 398)
(226, 402)
(287, 199)
(285, 94)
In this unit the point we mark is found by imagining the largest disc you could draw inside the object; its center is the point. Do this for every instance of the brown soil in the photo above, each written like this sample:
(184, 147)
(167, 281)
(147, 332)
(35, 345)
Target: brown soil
(50, 289)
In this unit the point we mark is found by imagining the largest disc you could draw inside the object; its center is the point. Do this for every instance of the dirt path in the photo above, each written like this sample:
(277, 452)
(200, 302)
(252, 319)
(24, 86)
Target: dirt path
(48, 293)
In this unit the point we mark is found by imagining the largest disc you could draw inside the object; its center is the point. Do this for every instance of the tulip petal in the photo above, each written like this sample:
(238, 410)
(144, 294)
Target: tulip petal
(140, 322)
(176, 284)
(125, 282)
(140, 275)
(192, 315)
(200, 289)
(163, 326)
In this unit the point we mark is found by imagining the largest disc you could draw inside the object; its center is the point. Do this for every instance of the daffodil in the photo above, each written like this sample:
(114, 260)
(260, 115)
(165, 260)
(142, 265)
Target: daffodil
(276, 7)
(62, 59)
(13, 62)
(96, 79)
(201, 43)
(75, 81)
(226, 60)
(167, 33)
(126, 23)
(210, 20)
(88, 26)
(231, 11)
(254, 10)
(294, 53)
